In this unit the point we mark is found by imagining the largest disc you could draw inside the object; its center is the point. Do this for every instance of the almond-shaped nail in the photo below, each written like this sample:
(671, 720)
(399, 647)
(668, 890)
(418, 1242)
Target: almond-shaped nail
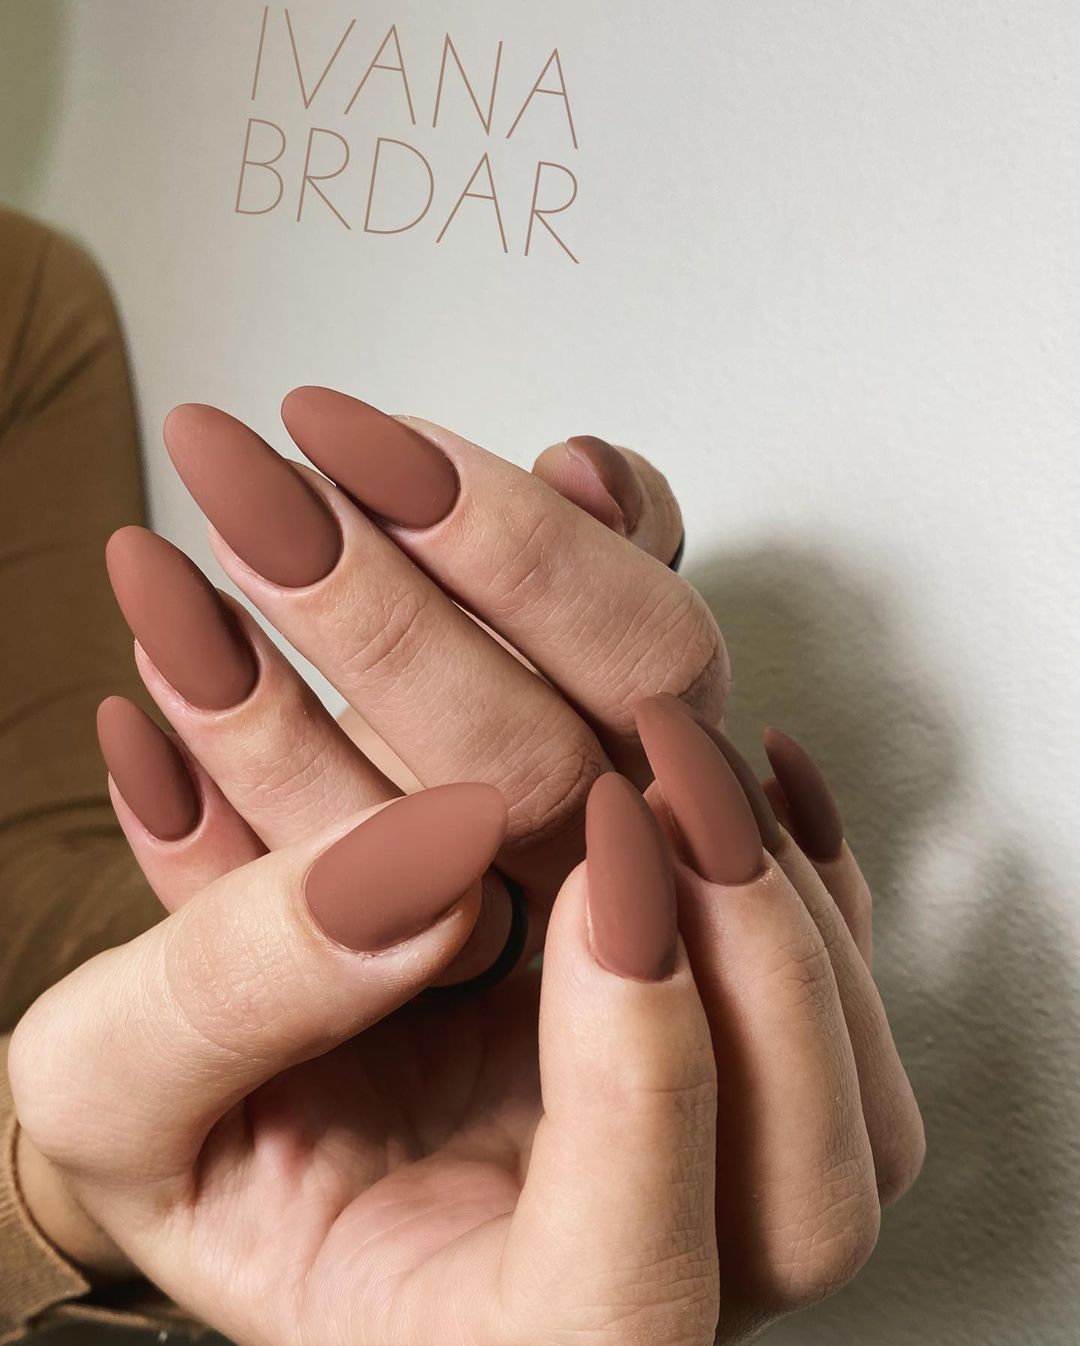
(745, 774)
(177, 616)
(406, 866)
(712, 815)
(385, 466)
(255, 499)
(815, 820)
(631, 887)
(148, 770)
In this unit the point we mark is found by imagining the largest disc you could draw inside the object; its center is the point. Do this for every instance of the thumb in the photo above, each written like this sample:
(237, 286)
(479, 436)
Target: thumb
(615, 1228)
(620, 488)
(145, 1048)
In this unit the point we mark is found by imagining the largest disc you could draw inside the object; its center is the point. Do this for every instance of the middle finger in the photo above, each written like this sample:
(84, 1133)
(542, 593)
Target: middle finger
(448, 699)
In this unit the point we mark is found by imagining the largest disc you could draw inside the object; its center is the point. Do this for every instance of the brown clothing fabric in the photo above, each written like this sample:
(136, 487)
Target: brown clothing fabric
(69, 475)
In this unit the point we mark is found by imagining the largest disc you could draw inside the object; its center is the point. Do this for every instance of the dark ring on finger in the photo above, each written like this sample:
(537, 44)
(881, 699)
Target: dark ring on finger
(676, 560)
(506, 961)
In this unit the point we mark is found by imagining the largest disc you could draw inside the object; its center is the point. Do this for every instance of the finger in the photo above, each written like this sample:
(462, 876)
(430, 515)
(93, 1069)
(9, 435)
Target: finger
(893, 1123)
(605, 622)
(182, 830)
(813, 819)
(288, 769)
(619, 488)
(450, 701)
(240, 707)
(797, 1202)
(274, 964)
(621, 1171)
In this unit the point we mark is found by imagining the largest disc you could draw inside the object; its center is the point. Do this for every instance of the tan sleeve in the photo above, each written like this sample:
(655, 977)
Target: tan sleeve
(69, 475)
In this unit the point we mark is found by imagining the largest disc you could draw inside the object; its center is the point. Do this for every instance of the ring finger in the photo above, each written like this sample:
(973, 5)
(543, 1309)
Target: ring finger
(450, 701)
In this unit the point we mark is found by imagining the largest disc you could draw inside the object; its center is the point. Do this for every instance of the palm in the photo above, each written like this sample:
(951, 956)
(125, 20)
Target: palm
(368, 1163)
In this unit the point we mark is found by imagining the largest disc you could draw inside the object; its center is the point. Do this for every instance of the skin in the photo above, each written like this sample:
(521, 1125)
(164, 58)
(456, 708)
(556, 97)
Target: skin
(494, 1155)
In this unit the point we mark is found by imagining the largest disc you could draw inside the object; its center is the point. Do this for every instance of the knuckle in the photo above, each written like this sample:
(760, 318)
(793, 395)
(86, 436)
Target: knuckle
(523, 568)
(219, 980)
(701, 673)
(800, 975)
(672, 644)
(831, 1241)
(674, 1298)
(679, 1083)
(283, 764)
(386, 639)
(548, 791)
(684, 1314)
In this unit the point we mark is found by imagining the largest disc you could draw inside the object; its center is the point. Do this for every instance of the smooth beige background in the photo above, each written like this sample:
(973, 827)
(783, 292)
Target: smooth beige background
(828, 279)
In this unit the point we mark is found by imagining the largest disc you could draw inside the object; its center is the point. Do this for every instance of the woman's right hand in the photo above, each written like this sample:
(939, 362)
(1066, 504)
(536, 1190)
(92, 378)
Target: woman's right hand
(665, 1143)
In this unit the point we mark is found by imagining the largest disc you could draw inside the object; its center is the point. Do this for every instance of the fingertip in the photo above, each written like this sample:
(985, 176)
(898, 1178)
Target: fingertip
(571, 476)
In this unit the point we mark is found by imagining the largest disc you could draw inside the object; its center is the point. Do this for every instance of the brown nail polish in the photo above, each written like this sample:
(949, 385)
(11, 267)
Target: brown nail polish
(745, 774)
(815, 820)
(715, 822)
(148, 770)
(178, 618)
(612, 470)
(386, 467)
(395, 874)
(255, 499)
(631, 888)
(777, 802)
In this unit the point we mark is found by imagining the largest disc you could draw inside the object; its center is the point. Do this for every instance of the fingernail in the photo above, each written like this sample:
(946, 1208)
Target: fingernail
(815, 820)
(608, 470)
(386, 467)
(768, 828)
(631, 888)
(178, 618)
(255, 499)
(712, 815)
(148, 770)
(404, 867)
(777, 802)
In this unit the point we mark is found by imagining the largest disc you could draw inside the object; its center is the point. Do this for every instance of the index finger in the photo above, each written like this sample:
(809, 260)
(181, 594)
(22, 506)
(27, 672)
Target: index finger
(603, 620)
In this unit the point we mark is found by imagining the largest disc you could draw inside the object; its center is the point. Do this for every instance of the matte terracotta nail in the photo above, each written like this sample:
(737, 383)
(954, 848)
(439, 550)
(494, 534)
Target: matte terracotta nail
(403, 868)
(711, 813)
(148, 770)
(777, 802)
(745, 774)
(815, 820)
(178, 618)
(386, 467)
(255, 499)
(631, 888)
(612, 470)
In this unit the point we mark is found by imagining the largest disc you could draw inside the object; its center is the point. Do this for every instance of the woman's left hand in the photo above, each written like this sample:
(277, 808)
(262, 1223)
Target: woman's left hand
(676, 1144)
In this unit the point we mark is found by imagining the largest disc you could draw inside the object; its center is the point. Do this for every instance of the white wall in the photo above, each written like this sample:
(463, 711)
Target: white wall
(828, 280)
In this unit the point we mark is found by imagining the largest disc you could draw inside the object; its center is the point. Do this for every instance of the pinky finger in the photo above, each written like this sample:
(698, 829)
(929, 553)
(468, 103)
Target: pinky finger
(805, 806)
(182, 830)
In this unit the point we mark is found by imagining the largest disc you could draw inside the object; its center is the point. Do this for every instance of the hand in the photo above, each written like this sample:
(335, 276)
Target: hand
(377, 607)
(434, 1180)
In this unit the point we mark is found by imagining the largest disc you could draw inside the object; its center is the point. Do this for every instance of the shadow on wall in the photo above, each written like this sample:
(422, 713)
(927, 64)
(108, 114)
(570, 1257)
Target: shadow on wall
(32, 43)
(980, 1250)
